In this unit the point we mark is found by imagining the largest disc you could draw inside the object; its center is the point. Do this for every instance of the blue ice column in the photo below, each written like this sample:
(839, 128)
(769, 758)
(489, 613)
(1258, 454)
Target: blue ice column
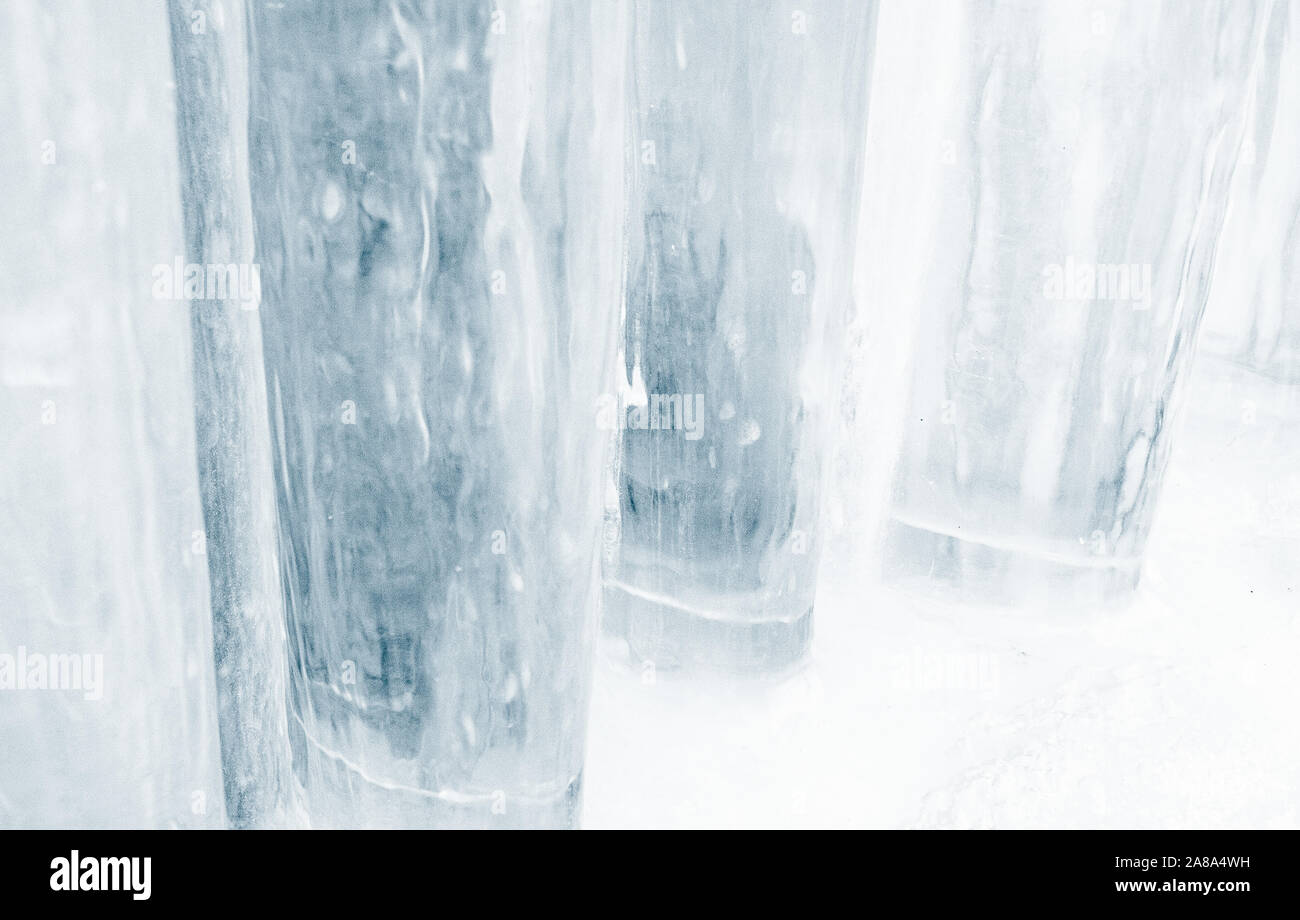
(1253, 316)
(747, 132)
(1070, 241)
(437, 193)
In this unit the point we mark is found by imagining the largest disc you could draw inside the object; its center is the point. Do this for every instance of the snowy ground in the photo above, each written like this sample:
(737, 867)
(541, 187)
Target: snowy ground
(1178, 711)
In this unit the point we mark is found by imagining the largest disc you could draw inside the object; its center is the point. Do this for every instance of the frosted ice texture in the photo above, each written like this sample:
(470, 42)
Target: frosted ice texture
(1253, 317)
(210, 63)
(1083, 138)
(103, 555)
(746, 137)
(438, 226)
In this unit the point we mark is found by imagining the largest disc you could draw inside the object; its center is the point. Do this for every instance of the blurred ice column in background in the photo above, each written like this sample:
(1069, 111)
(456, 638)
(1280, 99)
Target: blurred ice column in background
(1091, 147)
(438, 219)
(1245, 395)
(746, 150)
(107, 698)
(1253, 317)
(210, 59)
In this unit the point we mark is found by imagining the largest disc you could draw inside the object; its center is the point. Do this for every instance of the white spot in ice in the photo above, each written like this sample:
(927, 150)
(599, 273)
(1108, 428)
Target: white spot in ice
(466, 356)
(511, 689)
(749, 433)
(331, 201)
(390, 398)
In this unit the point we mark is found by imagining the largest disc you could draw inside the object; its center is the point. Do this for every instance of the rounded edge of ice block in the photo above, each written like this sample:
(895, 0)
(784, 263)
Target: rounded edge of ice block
(970, 570)
(675, 637)
(342, 799)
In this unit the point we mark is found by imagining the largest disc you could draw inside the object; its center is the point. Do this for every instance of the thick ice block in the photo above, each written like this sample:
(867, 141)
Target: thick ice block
(107, 698)
(1090, 147)
(438, 223)
(747, 136)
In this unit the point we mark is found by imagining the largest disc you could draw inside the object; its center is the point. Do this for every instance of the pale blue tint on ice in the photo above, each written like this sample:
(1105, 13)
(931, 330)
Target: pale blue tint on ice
(103, 571)
(746, 143)
(437, 222)
(1072, 239)
(1253, 317)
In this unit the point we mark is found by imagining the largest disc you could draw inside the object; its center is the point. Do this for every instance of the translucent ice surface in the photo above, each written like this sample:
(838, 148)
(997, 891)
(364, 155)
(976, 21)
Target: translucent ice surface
(234, 449)
(1253, 317)
(1072, 237)
(746, 140)
(338, 340)
(438, 227)
(107, 708)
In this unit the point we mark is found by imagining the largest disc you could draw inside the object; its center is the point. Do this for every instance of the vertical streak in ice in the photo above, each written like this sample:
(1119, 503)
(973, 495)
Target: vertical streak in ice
(103, 551)
(211, 68)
